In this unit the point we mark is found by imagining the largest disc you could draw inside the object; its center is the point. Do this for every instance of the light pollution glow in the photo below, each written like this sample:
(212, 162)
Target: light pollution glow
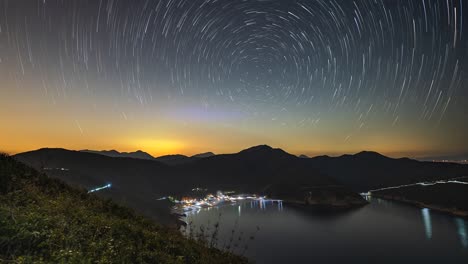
(36, 124)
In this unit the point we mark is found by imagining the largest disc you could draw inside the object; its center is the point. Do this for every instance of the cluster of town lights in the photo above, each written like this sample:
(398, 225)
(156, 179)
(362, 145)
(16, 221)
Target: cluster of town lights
(210, 200)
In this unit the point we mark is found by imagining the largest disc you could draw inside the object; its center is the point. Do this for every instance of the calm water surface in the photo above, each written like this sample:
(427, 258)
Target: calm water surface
(382, 232)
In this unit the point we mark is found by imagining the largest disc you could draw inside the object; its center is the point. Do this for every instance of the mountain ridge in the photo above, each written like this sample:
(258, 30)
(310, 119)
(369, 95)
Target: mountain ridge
(138, 183)
(249, 170)
(139, 154)
(171, 159)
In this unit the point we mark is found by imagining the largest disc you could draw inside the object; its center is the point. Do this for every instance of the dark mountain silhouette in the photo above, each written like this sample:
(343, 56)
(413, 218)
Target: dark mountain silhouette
(138, 182)
(370, 170)
(203, 155)
(173, 159)
(260, 169)
(259, 165)
(369, 155)
(114, 153)
(303, 156)
(252, 169)
(178, 159)
(265, 150)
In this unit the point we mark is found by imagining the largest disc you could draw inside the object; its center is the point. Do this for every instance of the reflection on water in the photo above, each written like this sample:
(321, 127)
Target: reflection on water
(460, 223)
(426, 215)
(462, 232)
(267, 232)
(262, 204)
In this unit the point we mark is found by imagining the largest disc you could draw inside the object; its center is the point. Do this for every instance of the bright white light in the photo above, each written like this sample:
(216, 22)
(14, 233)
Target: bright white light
(427, 222)
(107, 186)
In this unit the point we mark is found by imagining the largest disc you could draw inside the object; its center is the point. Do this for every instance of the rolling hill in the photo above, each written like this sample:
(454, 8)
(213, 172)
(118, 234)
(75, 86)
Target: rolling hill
(43, 220)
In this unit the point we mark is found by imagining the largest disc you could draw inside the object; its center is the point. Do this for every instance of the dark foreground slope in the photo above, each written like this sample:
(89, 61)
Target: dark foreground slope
(42, 220)
(136, 183)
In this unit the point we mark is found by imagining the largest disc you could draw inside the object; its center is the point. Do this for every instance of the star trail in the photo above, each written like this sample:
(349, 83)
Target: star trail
(311, 76)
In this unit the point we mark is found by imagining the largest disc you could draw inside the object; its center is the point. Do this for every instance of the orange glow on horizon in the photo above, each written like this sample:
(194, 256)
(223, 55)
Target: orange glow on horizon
(159, 147)
(35, 122)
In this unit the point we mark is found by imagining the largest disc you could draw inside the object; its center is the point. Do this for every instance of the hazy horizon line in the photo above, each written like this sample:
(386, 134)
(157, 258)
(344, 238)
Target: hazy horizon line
(456, 156)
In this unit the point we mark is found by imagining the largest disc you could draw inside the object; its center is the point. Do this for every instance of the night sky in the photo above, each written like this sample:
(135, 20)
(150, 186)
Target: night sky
(187, 76)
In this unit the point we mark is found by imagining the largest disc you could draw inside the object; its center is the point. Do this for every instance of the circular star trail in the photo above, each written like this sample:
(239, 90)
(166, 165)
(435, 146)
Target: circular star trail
(347, 65)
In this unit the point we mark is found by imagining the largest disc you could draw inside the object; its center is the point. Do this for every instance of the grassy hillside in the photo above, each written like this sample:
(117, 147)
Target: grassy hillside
(42, 220)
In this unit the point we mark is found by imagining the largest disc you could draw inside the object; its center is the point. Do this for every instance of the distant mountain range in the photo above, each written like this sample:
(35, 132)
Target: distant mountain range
(175, 159)
(114, 153)
(261, 169)
(254, 167)
(361, 172)
(204, 155)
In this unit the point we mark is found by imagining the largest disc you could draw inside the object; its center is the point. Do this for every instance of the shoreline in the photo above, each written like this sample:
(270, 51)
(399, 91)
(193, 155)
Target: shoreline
(452, 211)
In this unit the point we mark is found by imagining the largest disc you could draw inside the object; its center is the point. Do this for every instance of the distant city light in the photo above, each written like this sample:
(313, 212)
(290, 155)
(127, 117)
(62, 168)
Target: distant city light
(61, 169)
(454, 180)
(189, 204)
(107, 186)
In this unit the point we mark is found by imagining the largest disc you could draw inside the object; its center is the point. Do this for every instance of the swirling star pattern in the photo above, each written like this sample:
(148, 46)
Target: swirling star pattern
(361, 68)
